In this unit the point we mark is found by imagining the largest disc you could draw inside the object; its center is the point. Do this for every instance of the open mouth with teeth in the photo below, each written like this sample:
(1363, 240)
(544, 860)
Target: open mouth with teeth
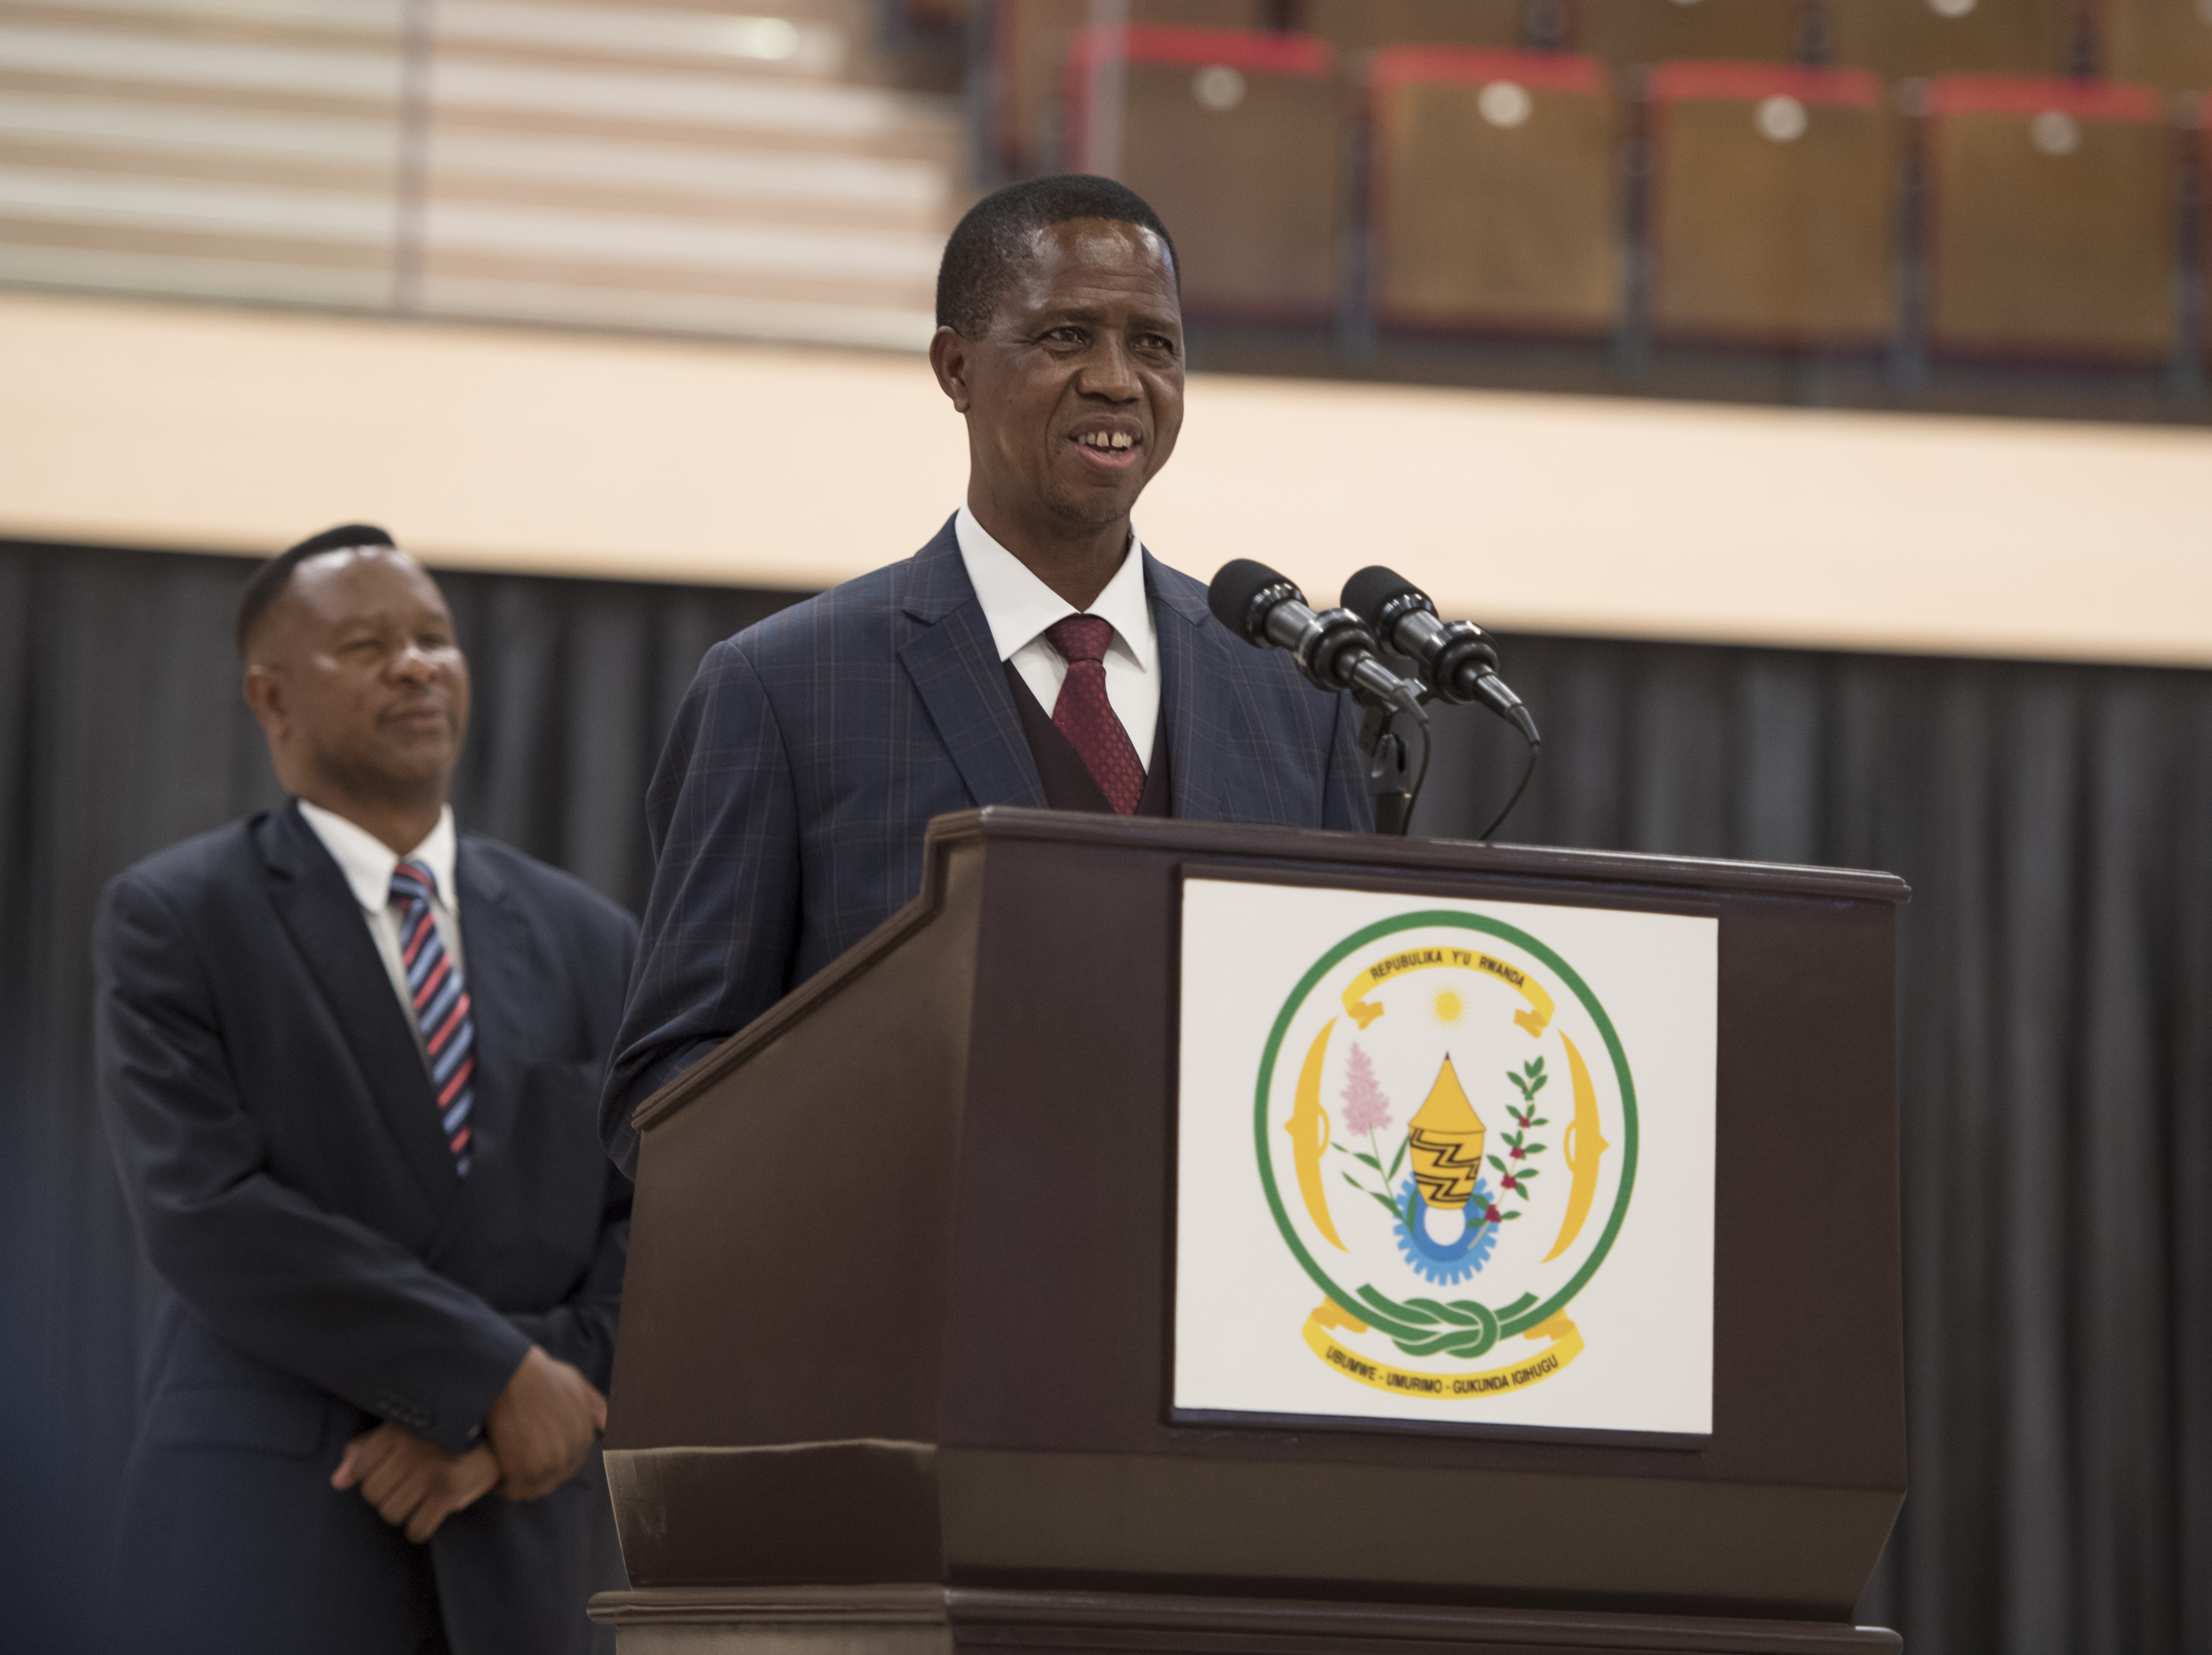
(1110, 448)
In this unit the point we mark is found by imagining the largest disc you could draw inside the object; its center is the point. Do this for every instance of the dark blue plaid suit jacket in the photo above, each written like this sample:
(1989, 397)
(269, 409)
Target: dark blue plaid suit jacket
(813, 749)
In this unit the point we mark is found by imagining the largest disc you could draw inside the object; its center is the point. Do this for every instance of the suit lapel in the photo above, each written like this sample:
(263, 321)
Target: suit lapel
(1206, 706)
(954, 665)
(318, 908)
(496, 947)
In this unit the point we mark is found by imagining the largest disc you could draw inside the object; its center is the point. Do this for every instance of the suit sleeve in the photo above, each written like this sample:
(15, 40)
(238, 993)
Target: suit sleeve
(580, 1330)
(1346, 801)
(723, 917)
(302, 1288)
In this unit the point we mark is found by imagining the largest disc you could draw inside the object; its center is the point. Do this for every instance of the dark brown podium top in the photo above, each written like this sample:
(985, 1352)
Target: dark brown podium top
(868, 1338)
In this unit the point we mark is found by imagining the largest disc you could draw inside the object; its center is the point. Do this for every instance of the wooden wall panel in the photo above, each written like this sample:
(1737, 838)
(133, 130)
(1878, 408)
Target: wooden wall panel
(2167, 44)
(1495, 192)
(2050, 221)
(1773, 210)
(1659, 31)
(1352, 26)
(1237, 140)
(1925, 38)
(1029, 54)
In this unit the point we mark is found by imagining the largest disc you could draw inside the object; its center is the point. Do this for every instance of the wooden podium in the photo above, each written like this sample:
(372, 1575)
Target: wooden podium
(893, 1370)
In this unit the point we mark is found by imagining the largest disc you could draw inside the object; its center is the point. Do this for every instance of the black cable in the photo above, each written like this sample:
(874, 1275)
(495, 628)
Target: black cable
(1420, 777)
(1526, 770)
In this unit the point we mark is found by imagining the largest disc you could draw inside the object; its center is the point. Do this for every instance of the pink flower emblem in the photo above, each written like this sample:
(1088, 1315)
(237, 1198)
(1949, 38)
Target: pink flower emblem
(1365, 1108)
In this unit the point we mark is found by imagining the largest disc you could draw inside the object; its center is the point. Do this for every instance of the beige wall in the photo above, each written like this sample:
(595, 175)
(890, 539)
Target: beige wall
(185, 428)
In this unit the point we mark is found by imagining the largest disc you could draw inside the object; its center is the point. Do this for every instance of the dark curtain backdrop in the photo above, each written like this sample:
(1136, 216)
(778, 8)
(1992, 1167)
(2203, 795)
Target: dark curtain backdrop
(2056, 823)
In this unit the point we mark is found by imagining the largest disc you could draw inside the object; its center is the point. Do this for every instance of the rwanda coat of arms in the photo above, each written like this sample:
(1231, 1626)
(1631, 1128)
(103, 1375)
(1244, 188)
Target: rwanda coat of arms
(1444, 1125)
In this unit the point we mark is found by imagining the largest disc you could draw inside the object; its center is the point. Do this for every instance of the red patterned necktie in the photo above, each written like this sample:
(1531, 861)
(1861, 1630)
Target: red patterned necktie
(442, 1006)
(1086, 718)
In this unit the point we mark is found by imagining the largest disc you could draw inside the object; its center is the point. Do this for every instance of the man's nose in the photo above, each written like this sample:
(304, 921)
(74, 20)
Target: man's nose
(413, 663)
(1111, 372)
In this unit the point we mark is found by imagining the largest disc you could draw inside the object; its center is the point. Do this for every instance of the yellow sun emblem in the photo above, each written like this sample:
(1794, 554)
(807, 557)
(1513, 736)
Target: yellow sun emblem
(1447, 1006)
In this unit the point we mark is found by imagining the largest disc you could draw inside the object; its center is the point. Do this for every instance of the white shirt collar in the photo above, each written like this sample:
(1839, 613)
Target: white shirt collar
(367, 862)
(1018, 607)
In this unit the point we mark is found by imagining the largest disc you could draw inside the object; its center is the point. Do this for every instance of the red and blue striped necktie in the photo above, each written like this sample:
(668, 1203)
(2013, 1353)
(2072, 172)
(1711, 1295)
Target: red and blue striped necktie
(441, 1004)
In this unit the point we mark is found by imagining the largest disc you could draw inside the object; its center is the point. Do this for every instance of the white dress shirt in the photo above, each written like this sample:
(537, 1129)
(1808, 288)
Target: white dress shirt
(1019, 607)
(369, 863)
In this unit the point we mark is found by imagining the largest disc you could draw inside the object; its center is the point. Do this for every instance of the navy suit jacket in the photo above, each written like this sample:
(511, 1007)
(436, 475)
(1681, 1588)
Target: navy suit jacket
(813, 748)
(323, 1267)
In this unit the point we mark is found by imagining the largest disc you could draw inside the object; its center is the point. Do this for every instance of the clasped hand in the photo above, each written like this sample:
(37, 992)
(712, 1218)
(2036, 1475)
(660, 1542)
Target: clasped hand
(536, 1437)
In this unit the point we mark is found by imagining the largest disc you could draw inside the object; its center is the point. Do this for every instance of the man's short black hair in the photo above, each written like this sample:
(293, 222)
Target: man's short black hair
(987, 246)
(268, 582)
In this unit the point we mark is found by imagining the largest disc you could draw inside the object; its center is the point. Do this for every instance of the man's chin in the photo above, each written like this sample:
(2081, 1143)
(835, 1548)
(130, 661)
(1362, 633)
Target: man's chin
(1098, 507)
(409, 767)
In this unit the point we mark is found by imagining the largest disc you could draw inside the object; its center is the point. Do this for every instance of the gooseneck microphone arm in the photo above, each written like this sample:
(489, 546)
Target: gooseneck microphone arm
(1334, 649)
(1455, 660)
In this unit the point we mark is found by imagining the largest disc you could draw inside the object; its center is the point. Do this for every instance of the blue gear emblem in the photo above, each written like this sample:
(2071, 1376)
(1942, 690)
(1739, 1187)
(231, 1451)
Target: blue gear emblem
(1446, 1266)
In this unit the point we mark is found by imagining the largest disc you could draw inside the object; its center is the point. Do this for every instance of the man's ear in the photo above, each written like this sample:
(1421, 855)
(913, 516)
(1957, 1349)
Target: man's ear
(948, 359)
(265, 694)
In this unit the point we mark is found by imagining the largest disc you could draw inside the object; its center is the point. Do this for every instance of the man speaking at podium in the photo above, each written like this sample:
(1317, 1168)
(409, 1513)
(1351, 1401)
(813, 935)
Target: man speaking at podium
(1033, 653)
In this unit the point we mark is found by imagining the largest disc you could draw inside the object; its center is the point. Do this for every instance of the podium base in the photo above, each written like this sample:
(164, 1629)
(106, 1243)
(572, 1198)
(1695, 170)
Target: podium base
(931, 1620)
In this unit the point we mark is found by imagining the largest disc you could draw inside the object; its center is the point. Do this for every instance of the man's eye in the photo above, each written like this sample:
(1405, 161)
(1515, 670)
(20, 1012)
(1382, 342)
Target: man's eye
(1065, 336)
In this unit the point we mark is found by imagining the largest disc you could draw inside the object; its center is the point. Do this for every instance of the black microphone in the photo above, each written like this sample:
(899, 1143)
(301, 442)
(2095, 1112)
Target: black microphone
(1455, 658)
(1334, 648)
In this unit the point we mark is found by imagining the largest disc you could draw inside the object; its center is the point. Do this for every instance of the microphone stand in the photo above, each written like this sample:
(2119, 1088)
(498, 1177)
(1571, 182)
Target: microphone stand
(1391, 777)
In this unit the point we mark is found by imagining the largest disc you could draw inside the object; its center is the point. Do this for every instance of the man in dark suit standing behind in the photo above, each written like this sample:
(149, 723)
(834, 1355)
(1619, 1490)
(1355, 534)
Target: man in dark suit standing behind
(348, 1061)
(1033, 653)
